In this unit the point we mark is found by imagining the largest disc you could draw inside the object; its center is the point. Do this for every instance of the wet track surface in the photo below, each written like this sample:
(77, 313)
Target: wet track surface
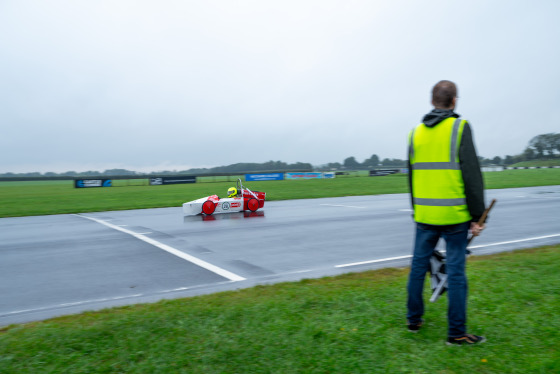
(63, 264)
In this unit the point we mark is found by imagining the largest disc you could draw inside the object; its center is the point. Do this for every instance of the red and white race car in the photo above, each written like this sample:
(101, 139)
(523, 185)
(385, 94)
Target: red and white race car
(244, 200)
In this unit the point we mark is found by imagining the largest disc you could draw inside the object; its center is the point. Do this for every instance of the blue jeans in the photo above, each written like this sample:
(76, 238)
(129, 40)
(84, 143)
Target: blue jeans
(455, 237)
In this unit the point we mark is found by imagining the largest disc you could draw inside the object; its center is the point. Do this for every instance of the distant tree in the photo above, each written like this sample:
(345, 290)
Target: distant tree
(371, 162)
(193, 171)
(305, 166)
(508, 160)
(244, 167)
(270, 165)
(528, 154)
(545, 145)
(538, 144)
(551, 143)
(556, 141)
(484, 161)
(497, 160)
(518, 158)
(118, 172)
(89, 173)
(351, 163)
(393, 162)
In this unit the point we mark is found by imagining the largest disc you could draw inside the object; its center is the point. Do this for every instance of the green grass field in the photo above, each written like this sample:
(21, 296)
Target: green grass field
(353, 323)
(56, 197)
(551, 162)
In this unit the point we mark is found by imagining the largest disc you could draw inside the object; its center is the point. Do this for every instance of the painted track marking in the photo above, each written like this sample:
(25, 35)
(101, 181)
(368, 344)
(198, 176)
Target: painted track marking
(471, 247)
(206, 265)
(344, 206)
(373, 261)
(101, 300)
(66, 305)
(515, 241)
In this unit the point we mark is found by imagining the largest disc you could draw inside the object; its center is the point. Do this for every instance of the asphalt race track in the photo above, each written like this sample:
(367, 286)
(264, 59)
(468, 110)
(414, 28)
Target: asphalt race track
(64, 264)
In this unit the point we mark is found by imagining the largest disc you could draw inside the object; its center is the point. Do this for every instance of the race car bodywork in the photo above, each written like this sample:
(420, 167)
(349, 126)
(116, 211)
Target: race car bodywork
(245, 200)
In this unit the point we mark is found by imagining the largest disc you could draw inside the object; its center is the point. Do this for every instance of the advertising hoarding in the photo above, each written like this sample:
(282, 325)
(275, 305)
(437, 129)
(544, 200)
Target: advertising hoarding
(309, 175)
(172, 180)
(264, 177)
(87, 183)
(380, 173)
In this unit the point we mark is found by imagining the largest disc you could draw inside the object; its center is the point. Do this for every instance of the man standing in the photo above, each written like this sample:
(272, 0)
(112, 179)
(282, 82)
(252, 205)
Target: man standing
(447, 196)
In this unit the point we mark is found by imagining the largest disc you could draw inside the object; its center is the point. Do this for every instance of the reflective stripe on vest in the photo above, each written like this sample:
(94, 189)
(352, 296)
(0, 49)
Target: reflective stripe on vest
(439, 202)
(438, 188)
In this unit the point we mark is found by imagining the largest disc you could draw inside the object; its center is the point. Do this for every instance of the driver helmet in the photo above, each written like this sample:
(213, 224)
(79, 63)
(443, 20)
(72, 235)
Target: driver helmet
(232, 192)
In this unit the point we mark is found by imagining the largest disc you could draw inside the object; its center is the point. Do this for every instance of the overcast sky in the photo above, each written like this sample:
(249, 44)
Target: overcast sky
(164, 85)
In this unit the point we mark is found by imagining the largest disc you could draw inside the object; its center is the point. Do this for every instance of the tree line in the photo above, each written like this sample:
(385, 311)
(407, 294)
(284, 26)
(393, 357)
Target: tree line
(541, 147)
(234, 168)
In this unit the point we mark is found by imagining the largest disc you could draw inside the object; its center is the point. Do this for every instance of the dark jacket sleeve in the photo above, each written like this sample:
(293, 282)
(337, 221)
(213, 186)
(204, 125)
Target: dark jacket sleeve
(472, 176)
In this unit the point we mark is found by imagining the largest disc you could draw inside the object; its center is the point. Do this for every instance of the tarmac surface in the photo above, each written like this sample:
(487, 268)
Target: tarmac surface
(65, 264)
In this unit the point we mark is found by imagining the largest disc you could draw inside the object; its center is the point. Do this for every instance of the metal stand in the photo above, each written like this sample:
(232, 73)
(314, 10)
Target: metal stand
(438, 279)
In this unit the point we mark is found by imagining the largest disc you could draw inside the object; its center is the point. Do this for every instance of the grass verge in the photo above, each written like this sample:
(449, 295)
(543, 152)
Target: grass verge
(353, 323)
(57, 197)
(551, 162)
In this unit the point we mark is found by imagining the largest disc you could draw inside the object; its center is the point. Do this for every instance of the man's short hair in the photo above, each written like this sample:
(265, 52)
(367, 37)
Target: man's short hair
(443, 94)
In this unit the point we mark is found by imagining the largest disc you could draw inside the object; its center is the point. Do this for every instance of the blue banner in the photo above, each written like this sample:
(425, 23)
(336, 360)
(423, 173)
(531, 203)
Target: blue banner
(86, 183)
(264, 177)
(304, 175)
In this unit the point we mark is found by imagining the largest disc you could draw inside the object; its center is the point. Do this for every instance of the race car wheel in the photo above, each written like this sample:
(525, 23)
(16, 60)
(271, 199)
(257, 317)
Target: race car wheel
(252, 204)
(208, 207)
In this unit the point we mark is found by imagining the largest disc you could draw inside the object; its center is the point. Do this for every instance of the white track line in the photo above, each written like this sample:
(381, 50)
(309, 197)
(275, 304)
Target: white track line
(106, 299)
(215, 269)
(65, 305)
(515, 241)
(471, 247)
(344, 206)
(373, 261)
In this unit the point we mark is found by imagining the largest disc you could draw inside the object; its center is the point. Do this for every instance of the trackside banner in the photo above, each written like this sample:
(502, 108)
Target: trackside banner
(172, 180)
(309, 175)
(264, 177)
(379, 173)
(86, 183)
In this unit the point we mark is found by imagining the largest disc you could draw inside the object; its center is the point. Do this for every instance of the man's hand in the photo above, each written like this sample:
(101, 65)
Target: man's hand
(476, 229)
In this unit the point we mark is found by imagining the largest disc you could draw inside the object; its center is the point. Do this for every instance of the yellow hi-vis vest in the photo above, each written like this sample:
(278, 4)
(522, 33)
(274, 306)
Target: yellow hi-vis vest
(438, 192)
